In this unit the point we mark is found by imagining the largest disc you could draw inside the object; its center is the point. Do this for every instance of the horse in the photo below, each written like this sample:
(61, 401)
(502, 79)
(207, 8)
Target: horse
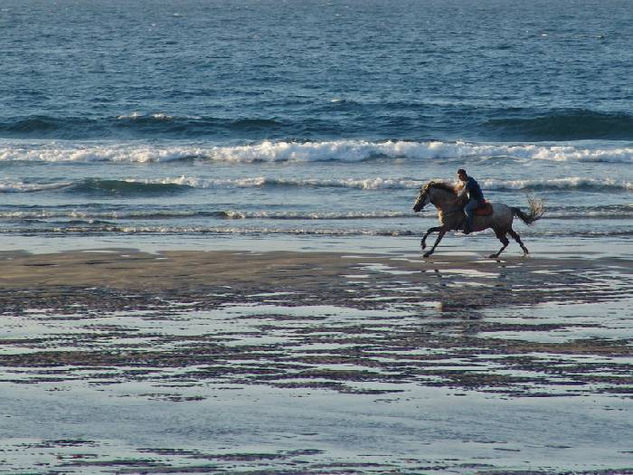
(450, 212)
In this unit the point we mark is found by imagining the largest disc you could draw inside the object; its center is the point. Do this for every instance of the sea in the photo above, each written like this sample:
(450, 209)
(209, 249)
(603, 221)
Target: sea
(311, 124)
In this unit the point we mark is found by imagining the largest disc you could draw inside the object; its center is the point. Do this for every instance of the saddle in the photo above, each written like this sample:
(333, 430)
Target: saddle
(484, 210)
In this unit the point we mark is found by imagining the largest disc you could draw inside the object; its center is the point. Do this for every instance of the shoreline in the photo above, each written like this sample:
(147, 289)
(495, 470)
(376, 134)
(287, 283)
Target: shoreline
(174, 269)
(450, 280)
(127, 279)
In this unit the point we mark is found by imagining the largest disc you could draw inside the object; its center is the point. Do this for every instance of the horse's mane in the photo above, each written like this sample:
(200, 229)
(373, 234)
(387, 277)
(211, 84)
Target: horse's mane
(442, 186)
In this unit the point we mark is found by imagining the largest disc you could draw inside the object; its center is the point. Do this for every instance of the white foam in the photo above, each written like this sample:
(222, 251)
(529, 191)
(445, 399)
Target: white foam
(378, 183)
(558, 183)
(21, 187)
(280, 151)
(372, 183)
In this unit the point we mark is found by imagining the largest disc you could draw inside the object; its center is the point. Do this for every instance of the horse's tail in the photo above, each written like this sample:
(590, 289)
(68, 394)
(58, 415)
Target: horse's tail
(537, 209)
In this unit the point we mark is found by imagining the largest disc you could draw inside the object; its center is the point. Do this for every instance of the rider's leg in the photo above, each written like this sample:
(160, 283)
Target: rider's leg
(469, 209)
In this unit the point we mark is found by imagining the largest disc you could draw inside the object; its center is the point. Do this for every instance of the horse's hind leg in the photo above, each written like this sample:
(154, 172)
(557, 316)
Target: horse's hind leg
(517, 238)
(501, 235)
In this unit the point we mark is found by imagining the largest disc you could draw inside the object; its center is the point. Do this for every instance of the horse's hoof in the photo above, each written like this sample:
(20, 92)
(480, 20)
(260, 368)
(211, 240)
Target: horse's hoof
(493, 256)
(427, 254)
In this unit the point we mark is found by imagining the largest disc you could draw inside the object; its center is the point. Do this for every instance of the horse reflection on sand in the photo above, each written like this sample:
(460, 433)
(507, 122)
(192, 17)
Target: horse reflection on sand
(450, 212)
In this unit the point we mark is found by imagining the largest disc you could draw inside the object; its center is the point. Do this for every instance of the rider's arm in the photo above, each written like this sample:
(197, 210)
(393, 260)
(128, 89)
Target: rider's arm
(462, 191)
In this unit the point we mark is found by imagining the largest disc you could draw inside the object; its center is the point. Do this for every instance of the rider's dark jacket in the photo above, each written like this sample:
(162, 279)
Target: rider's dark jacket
(473, 189)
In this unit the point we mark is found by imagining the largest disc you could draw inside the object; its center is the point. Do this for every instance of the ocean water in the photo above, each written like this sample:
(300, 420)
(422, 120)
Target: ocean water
(178, 121)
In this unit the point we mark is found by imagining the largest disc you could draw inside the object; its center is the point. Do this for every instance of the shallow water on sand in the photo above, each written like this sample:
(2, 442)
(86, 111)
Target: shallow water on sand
(227, 381)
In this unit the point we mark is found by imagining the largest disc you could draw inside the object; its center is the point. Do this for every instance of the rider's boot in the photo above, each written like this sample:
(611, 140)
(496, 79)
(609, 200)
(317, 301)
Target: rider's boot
(468, 226)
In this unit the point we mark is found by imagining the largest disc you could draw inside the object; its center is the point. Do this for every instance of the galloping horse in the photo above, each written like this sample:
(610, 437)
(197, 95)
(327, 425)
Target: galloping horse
(451, 215)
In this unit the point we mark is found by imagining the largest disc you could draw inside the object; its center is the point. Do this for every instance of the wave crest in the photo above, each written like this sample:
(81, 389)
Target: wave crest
(169, 185)
(340, 150)
(138, 125)
(566, 125)
(96, 186)
(563, 184)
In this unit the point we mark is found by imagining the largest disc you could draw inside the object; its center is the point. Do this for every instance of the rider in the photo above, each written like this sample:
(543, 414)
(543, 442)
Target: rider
(471, 189)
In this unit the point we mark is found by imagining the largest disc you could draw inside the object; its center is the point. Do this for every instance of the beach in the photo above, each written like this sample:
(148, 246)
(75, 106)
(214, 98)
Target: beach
(210, 257)
(127, 361)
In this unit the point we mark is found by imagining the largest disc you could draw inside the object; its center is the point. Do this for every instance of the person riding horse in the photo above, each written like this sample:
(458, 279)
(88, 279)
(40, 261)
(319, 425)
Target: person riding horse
(450, 213)
(472, 191)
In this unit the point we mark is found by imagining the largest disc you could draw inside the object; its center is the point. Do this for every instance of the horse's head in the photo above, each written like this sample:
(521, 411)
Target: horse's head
(437, 192)
(423, 198)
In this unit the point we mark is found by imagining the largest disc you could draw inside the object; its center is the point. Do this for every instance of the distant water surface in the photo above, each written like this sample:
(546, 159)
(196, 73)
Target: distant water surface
(311, 118)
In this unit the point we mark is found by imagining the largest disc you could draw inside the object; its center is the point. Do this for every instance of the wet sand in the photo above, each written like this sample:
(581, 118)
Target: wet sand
(122, 361)
(313, 275)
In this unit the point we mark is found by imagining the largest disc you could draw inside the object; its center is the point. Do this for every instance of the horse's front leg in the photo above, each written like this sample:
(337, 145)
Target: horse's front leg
(442, 231)
(429, 231)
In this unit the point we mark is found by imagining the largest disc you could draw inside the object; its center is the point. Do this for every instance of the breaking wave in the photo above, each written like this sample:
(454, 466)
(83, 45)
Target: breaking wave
(181, 184)
(560, 184)
(305, 151)
(95, 186)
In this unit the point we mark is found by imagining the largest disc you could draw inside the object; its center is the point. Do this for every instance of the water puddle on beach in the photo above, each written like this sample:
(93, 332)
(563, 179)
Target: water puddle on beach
(392, 371)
